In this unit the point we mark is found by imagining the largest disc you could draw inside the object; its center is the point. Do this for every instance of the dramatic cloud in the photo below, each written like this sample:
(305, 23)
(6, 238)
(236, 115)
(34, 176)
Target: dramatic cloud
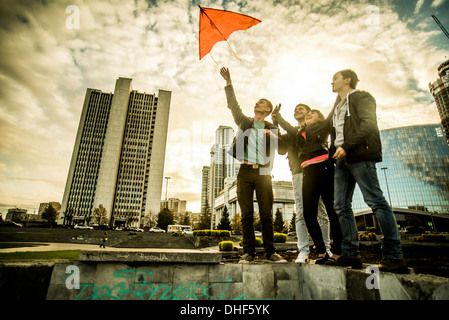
(47, 63)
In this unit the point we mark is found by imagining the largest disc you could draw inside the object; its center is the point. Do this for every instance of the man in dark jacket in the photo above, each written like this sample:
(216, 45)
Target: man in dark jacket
(356, 147)
(254, 147)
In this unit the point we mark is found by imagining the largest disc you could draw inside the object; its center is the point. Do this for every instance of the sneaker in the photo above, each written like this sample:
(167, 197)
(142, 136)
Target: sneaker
(354, 263)
(247, 258)
(302, 257)
(275, 257)
(393, 265)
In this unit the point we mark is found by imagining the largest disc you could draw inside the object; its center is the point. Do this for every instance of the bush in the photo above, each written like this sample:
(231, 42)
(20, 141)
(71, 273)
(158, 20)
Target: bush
(414, 229)
(280, 238)
(226, 246)
(132, 233)
(177, 234)
(368, 236)
(212, 233)
(432, 238)
(259, 242)
(370, 230)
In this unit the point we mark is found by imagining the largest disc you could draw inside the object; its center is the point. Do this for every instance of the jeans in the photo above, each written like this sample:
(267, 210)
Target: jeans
(363, 173)
(248, 181)
(301, 228)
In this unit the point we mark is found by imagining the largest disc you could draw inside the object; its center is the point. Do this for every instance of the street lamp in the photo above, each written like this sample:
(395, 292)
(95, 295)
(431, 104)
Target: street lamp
(384, 169)
(166, 189)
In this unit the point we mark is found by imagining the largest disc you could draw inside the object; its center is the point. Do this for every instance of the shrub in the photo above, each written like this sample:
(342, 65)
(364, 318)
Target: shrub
(368, 236)
(280, 238)
(177, 234)
(132, 233)
(226, 246)
(259, 242)
(432, 238)
(370, 230)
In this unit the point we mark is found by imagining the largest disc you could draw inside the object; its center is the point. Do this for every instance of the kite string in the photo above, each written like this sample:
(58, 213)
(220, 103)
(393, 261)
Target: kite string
(214, 60)
(232, 50)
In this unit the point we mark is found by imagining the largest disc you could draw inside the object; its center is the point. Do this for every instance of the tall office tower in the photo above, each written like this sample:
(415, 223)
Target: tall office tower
(440, 92)
(205, 189)
(222, 165)
(118, 157)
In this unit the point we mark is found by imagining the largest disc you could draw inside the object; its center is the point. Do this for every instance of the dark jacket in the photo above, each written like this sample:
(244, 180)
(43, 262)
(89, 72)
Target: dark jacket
(244, 123)
(291, 140)
(315, 142)
(361, 134)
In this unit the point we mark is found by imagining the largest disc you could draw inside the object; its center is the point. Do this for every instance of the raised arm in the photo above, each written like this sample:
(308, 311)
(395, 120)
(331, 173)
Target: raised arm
(277, 119)
(237, 114)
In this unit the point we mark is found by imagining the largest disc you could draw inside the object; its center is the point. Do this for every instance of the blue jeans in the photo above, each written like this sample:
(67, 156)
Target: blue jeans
(363, 173)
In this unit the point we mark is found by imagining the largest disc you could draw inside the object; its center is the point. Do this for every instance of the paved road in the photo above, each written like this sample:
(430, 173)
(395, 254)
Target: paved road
(41, 246)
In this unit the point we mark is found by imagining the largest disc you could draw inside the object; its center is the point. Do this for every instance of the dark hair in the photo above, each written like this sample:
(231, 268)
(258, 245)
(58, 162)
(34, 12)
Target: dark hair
(348, 73)
(303, 105)
(318, 112)
(270, 105)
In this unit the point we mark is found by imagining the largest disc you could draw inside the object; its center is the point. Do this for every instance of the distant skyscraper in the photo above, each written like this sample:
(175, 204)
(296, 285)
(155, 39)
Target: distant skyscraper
(205, 189)
(118, 157)
(222, 164)
(440, 92)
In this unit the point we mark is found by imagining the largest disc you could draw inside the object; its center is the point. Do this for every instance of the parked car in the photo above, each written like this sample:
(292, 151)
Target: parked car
(157, 230)
(188, 232)
(11, 224)
(135, 229)
(257, 233)
(82, 226)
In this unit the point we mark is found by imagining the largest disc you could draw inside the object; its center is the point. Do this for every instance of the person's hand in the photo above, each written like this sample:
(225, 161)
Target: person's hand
(226, 75)
(277, 109)
(340, 153)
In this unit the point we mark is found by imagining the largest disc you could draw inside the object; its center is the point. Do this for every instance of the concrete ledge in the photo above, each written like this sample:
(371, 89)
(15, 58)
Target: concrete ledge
(159, 256)
(286, 281)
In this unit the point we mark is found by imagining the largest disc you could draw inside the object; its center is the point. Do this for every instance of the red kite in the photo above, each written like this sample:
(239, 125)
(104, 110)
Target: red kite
(217, 25)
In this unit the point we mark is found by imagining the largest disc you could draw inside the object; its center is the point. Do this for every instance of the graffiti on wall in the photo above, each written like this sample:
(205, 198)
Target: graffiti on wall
(140, 289)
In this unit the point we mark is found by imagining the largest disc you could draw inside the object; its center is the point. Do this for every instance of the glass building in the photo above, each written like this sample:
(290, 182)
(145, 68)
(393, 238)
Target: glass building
(414, 173)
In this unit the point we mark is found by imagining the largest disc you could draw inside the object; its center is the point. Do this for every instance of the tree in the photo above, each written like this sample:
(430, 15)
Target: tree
(293, 223)
(236, 222)
(164, 218)
(49, 214)
(186, 220)
(225, 223)
(205, 218)
(100, 215)
(278, 221)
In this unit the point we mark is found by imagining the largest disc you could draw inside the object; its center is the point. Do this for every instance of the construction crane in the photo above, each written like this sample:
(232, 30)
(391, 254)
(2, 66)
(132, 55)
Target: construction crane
(440, 25)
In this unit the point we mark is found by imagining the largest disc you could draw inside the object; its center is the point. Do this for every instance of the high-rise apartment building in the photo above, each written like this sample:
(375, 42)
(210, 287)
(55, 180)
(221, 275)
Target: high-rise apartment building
(440, 92)
(118, 157)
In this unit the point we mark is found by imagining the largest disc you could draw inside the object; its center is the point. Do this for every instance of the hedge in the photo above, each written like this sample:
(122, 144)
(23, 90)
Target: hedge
(432, 238)
(212, 233)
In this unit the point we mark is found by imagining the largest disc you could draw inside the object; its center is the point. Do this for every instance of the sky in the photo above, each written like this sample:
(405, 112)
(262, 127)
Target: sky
(52, 51)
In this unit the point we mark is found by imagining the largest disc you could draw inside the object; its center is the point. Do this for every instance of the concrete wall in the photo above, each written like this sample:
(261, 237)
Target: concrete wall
(205, 281)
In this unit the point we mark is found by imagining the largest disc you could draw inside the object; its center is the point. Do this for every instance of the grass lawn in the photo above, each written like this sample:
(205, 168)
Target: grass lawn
(40, 255)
